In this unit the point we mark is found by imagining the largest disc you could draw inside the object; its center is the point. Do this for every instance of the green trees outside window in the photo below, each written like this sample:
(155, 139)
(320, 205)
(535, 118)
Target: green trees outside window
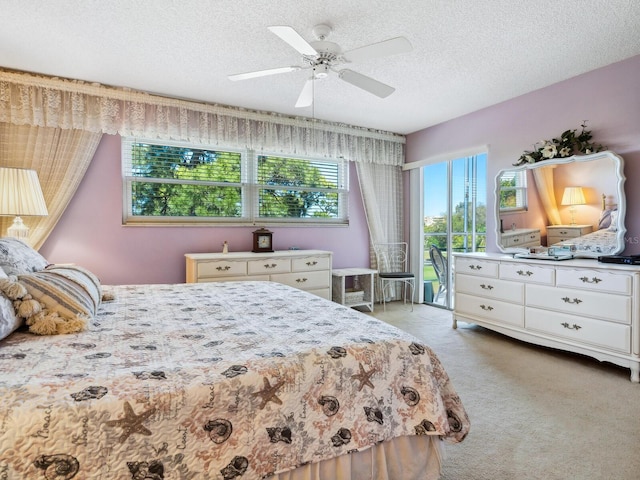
(185, 183)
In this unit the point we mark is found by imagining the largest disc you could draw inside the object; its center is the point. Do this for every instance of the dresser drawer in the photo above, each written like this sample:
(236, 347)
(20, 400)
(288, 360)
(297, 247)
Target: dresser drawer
(304, 280)
(306, 264)
(268, 266)
(490, 309)
(321, 292)
(596, 280)
(615, 308)
(490, 288)
(218, 268)
(473, 266)
(242, 278)
(521, 240)
(524, 272)
(581, 330)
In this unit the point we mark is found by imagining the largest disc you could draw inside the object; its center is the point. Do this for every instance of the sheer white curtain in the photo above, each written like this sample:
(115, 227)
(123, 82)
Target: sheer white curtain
(70, 105)
(60, 157)
(53, 102)
(382, 194)
(544, 182)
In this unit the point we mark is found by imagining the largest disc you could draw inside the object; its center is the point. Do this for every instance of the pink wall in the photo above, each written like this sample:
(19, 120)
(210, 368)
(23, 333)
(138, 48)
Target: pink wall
(91, 234)
(608, 98)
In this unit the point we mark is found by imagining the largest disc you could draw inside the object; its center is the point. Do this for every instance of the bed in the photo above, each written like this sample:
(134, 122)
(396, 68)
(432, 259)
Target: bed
(229, 380)
(603, 241)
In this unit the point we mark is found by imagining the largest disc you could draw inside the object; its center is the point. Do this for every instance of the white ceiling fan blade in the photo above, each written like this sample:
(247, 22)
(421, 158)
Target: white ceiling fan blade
(262, 73)
(305, 98)
(294, 39)
(366, 83)
(377, 50)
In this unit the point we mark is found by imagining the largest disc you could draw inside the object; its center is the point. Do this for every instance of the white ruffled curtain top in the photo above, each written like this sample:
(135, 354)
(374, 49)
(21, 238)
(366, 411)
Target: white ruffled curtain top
(70, 104)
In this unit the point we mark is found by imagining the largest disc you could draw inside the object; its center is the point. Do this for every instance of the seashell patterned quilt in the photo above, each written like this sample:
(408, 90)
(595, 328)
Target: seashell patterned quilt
(214, 381)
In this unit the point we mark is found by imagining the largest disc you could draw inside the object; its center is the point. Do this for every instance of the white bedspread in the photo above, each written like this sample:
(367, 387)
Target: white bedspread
(214, 381)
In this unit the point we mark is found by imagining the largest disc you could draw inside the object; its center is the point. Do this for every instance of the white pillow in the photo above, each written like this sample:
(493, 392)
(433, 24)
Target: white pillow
(17, 258)
(8, 320)
(613, 226)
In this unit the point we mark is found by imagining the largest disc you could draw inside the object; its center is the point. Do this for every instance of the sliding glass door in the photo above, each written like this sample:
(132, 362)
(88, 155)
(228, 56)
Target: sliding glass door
(454, 220)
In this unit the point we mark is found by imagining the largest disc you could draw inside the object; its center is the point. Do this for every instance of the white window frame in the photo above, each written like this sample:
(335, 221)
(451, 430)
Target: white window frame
(250, 190)
(520, 190)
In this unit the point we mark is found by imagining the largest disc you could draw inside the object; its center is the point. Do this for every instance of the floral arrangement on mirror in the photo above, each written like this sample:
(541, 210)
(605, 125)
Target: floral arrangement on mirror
(569, 143)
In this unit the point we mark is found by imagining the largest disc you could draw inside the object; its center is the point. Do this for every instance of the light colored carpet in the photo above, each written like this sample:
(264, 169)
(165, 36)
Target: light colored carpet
(536, 413)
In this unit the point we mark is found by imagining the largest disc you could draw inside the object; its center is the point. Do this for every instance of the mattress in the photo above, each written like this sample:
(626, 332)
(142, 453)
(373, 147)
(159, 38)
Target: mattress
(219, 381)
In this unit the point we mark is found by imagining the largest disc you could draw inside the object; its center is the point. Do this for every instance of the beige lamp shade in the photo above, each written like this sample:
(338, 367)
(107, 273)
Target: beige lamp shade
(573, 196)
(20, 194)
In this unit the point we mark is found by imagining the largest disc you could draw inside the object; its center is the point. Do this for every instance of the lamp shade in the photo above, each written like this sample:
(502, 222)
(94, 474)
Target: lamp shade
(573, 196)
(20, 193)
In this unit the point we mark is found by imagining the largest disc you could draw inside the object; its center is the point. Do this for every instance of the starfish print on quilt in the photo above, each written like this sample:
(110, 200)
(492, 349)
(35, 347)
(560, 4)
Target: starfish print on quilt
(268, 393)
(364, 377)
(132, 423)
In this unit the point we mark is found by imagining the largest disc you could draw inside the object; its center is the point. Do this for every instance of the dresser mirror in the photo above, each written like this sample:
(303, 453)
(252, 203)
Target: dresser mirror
(575, 204)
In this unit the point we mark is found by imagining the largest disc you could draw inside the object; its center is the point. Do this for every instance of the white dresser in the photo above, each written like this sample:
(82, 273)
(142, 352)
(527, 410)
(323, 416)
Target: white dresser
(577, 305)
(308, 270)
(521, 237)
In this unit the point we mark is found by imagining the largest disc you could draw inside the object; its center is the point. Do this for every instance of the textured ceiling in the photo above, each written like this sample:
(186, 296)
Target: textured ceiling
(467, 54)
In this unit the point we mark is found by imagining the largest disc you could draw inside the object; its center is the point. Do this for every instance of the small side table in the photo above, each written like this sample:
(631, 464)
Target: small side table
(361, 295)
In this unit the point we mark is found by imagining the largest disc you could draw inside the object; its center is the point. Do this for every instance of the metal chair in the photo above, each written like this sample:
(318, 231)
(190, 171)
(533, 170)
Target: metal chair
(392, 271)
(440, 268)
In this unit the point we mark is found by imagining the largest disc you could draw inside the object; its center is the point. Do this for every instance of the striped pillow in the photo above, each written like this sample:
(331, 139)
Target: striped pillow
(70, 291)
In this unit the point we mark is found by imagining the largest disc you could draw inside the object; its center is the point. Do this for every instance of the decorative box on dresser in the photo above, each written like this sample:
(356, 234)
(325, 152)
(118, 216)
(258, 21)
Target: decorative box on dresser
(308, 270)
(578, 305)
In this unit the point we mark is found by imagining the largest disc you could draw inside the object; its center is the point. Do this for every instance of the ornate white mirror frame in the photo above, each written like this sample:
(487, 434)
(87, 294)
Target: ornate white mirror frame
(547, 210)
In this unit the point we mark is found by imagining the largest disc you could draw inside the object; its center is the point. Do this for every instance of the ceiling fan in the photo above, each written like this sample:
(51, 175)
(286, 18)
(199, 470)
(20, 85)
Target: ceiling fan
(323, 56)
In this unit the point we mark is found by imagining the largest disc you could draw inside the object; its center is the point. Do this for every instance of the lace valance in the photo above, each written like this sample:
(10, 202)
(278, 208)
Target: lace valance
(27, 99)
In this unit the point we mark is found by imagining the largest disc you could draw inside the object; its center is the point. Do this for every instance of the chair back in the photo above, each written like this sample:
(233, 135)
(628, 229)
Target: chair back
(439, 264)
(391, 257)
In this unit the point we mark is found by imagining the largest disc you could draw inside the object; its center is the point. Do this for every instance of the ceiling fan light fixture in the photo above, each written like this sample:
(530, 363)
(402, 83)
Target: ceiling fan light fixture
(321, 71)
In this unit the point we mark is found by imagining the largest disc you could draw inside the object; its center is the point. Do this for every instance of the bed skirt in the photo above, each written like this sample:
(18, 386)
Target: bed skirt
(417, 457)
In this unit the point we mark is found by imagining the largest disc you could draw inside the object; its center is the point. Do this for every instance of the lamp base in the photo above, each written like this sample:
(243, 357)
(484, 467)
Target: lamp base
(18, 230)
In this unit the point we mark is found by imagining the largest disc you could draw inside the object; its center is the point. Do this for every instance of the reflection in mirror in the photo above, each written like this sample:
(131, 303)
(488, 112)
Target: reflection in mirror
(577, 202)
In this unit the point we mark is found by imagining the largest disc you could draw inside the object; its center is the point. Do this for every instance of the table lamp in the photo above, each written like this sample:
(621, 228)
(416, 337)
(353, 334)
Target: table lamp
(20, 194)
(573, 196)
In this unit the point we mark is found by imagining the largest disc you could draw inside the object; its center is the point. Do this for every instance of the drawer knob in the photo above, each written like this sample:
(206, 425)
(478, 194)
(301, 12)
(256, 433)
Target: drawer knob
(311, 264)
(488, 308)
(475, 267)
(486, 287)
(590, 280)
(524, 274)
(568, 300)
(571, 327)
(270, 265)
(301, 280)
(225, 268)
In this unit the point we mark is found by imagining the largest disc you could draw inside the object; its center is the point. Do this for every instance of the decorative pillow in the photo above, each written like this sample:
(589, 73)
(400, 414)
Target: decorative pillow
(613, 227)
(8, 319)
(16, 257)
(59, 299)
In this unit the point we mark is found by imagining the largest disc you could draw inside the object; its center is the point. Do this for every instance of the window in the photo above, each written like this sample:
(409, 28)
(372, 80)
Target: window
(172, 183)
(513, 191)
